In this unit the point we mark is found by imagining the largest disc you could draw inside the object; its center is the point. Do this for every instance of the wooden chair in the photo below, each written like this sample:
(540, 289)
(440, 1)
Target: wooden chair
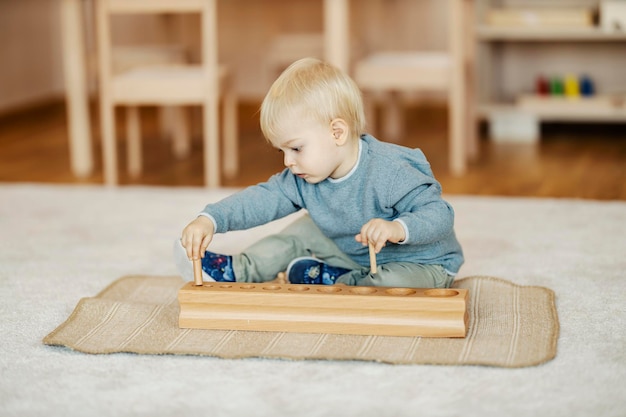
(389, 74)
(172, 119)
(166, 85)
(285, 48)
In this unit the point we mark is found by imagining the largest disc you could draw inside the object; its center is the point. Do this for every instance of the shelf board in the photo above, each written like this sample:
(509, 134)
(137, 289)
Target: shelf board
(543, 34)
(558, 112)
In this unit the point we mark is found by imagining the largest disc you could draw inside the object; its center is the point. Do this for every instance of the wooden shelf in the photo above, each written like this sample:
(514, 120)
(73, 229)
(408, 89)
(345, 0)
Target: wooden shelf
(488, 33)
(559, 43)
(557, 111)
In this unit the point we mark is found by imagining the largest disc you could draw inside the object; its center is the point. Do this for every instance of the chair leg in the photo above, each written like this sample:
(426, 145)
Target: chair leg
(133, 141)
(369, 104)
(231, 146)
(166, 121)
(457, 151)
(468, 65)
(81, 153)
(470, 126)
(457, 94)
(393, 118)
(109, 146)
(211, 147)
(181, 137)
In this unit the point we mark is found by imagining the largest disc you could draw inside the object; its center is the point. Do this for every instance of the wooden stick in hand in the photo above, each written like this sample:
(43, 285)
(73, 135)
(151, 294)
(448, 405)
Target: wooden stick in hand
(372, 258)
(197, 272)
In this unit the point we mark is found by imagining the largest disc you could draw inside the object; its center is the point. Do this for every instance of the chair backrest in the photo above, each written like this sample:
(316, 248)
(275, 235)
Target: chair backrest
(446, 71)
(206, 8)
(414, 69)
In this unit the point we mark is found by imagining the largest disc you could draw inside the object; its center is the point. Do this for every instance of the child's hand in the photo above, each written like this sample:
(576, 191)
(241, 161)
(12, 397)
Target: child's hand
(379, 232)
(196, 237)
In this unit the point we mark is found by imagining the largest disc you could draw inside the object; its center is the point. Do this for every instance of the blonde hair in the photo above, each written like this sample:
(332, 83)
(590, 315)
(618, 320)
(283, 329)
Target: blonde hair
(320, 90)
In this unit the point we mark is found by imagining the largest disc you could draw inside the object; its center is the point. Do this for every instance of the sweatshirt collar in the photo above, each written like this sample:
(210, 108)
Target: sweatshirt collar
(352, 171)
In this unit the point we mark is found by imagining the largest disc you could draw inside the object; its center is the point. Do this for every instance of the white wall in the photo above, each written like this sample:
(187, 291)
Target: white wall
(30, 47)
(30, 39)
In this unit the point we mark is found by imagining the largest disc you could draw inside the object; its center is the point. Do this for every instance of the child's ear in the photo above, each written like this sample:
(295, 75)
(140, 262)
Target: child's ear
(339, 129)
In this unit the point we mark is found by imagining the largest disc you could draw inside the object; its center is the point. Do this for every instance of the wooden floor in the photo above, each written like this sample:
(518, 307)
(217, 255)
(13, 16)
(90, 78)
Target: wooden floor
(575, 160)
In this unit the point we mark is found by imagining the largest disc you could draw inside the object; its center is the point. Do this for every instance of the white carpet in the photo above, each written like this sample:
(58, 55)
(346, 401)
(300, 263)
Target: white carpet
(61, 243)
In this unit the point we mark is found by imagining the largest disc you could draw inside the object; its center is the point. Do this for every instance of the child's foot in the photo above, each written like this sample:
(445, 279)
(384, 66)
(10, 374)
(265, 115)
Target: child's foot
(219, 267)
(214, 267)
(308, 270)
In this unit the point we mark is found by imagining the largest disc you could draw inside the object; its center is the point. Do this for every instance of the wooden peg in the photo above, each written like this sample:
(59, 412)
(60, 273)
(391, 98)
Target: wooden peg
(373, 267)
(197, 272)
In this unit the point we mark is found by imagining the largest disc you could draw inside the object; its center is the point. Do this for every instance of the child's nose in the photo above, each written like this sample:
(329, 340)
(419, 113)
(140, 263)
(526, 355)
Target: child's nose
(288, 160)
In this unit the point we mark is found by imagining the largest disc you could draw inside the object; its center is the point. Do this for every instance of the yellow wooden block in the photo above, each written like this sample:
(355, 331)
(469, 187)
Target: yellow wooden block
(335, 309)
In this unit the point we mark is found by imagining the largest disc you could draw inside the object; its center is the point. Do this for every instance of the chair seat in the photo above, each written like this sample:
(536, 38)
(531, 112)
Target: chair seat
(168, 84)
(404, 70)
(127, 57)
(156, 6)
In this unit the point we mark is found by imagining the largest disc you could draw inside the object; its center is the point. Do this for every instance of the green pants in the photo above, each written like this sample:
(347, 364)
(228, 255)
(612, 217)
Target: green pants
(266, 258)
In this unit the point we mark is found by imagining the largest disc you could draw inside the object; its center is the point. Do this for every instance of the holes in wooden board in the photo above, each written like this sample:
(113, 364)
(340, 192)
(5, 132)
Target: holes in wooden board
(299, 288)
(332, 289)
(272, 287)
(363, 290)
(400, 291)
(441, 292)
(329, 290)
(247, 287)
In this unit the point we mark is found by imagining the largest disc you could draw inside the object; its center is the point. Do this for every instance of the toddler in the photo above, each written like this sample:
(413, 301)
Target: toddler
(355, 189)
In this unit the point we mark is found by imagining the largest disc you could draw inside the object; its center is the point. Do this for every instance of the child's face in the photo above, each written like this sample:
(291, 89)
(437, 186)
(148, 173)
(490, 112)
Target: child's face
(310, 149)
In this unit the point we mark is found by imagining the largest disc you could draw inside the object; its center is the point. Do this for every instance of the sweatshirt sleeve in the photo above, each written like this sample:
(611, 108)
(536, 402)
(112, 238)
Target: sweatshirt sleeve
(256, 205)
(416, 197)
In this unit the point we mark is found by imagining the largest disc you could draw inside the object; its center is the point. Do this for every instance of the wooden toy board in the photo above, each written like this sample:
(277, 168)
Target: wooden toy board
(335, 309)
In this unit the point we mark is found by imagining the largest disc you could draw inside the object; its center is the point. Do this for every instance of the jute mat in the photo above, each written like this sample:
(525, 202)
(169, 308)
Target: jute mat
(510, 326)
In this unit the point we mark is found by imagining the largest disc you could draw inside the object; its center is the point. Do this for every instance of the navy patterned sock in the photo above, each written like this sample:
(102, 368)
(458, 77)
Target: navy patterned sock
(219, 267)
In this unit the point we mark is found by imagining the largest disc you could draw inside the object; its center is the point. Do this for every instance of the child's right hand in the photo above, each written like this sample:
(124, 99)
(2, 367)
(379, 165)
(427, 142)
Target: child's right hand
(196, 237)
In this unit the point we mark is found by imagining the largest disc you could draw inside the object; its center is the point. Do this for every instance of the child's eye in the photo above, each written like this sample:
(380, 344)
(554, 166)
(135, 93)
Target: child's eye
(292, 149)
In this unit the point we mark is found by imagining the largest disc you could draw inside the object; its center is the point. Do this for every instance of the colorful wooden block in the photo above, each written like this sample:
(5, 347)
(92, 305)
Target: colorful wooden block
(571, 86)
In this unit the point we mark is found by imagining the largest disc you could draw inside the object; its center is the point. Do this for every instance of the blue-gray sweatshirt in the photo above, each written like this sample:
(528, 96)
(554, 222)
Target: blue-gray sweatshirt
(390, 182)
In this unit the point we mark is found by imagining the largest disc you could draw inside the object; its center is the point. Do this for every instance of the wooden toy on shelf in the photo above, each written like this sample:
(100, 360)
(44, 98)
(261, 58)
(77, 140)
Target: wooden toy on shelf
(571, 97)
(571, 86)
(587, 88)
(334, 309)
(556, 86)
(613, 15)
(542, 86)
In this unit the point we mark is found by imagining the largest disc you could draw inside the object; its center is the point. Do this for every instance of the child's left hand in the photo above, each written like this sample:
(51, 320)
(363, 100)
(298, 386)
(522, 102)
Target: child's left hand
(379, 232)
